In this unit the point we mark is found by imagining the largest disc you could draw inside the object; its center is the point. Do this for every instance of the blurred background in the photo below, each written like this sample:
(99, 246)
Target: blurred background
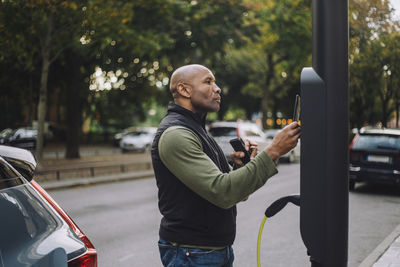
(76, 73)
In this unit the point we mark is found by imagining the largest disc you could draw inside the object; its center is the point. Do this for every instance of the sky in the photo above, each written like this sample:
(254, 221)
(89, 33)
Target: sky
(396, 5)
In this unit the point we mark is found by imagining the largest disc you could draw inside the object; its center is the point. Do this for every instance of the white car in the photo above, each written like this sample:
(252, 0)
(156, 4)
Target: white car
(292, 155)
(21, 137)
(139, 140)
(224, 131)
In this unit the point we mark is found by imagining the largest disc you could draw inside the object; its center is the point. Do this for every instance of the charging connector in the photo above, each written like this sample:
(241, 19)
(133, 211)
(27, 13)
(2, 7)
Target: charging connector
(273, 209)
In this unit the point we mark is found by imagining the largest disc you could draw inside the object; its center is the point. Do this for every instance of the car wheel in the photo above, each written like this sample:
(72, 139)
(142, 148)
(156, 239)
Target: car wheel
(124, 150)
(352, 185)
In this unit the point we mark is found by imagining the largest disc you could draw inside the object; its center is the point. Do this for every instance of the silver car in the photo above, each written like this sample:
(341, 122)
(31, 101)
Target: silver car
(293, 155)
(224, 131)
(34, 229)
(139, 140)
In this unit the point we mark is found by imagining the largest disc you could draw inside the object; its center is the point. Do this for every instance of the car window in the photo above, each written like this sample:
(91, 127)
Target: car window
(377, 142)
(223, 131)
(8, 176)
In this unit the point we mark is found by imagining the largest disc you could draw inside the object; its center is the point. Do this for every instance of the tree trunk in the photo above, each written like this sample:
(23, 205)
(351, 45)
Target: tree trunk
(74, 121)
(264, 108)
(265, 94)
(43, 90)
(397, 112)
(42, 106)
(74, 108)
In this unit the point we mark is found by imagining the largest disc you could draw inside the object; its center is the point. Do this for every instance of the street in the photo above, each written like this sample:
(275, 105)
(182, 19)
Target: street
(121, 219)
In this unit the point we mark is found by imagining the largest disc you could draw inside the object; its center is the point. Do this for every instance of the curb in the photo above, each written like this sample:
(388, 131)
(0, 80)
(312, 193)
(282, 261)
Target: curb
(381, 248)
(74, 182)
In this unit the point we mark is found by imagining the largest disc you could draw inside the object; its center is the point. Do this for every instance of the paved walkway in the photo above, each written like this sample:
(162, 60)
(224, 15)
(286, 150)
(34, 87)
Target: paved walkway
(387, 254)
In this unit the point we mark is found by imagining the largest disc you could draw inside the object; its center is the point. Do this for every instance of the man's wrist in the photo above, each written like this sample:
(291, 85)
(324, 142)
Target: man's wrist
(274, 155)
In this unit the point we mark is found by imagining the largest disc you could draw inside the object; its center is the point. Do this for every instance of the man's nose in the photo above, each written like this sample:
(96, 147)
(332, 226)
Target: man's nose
(217, 89)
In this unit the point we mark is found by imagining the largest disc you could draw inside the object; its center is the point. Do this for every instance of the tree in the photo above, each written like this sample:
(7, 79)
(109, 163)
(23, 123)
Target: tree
(47, 27)
(371, 83)
(273, 60)
(42, 31)
(170, 34)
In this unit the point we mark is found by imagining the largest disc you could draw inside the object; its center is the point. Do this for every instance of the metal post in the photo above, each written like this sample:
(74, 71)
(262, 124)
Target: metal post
(324, 142)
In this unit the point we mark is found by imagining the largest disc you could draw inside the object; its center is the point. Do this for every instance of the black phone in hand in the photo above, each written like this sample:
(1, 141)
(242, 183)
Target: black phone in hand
(238, 145)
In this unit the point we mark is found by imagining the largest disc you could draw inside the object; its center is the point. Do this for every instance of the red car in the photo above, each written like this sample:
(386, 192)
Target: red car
(34, 229)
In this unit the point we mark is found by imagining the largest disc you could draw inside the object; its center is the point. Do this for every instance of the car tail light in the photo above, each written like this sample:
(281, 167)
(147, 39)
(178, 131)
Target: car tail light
(352, 142)
(89, 258)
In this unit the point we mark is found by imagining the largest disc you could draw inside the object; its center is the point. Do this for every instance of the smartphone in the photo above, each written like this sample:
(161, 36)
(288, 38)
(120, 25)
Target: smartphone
(238, 145)
(296, 112)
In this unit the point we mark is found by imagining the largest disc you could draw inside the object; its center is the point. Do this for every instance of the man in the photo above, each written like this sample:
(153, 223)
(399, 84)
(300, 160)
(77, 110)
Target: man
(198, 190)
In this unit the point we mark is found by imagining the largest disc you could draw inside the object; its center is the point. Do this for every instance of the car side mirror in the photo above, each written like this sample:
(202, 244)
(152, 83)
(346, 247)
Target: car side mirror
(22, 160)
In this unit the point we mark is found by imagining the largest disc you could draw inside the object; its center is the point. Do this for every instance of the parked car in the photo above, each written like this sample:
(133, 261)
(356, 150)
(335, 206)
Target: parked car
(223, 131)
(34, 229)
(5, 133)
(289, 157)
(139, 140)
(21, 137)
(375, 156)
(118, 136)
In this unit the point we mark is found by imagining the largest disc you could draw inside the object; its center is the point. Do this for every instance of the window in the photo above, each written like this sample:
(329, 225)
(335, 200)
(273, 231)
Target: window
(369, 141)
(8, 176)
(223, 131)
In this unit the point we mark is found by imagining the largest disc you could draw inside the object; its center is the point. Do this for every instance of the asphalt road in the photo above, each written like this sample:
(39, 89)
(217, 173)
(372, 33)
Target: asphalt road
(121, 219)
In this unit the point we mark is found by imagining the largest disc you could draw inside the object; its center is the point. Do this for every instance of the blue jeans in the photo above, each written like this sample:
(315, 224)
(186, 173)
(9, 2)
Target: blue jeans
(176, 256)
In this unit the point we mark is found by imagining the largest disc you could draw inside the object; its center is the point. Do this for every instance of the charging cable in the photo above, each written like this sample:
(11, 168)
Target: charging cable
(273, 209)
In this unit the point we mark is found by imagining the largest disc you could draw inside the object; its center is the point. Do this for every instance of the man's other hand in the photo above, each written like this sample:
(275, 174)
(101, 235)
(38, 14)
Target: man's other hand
(236, 156)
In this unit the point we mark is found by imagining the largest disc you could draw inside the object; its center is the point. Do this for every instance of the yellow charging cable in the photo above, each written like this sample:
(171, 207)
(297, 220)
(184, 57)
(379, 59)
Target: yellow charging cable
(259, 241)
(273, 209)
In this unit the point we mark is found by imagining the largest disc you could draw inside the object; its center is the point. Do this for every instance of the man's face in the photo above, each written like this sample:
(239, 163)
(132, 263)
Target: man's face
(205, 95)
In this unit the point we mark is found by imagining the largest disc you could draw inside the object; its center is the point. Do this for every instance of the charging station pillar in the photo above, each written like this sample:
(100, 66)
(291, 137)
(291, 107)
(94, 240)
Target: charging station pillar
(324, 138)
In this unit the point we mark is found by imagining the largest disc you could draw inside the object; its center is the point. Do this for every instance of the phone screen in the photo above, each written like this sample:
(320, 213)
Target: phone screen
(296, 112)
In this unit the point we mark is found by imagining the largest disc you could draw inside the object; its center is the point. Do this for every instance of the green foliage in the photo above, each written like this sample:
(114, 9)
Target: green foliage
(374, 54)
(256, 48)
(269, 64)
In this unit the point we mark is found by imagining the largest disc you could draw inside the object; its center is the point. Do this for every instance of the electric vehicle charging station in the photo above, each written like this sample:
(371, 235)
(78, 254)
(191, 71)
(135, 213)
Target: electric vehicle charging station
(324, 162)
(324, 138)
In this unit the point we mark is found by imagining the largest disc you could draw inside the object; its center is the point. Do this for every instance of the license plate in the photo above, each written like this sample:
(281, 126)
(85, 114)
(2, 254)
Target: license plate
(383, 159)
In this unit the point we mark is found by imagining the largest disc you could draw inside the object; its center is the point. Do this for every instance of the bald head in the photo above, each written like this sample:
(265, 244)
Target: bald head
(193, 87)
(184, 75)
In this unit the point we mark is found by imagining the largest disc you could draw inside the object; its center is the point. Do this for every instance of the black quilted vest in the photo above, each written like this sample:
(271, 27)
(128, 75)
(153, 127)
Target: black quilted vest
(188, 218)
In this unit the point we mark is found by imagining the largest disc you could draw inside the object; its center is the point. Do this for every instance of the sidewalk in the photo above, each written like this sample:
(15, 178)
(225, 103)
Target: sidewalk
(387, 254)
(109, 178)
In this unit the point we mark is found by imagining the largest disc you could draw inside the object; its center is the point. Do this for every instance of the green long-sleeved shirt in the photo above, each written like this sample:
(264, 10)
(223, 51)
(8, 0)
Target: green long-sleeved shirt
(181, 152)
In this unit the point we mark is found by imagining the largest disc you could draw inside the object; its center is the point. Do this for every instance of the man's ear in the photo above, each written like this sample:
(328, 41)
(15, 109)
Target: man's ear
(184, 90)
